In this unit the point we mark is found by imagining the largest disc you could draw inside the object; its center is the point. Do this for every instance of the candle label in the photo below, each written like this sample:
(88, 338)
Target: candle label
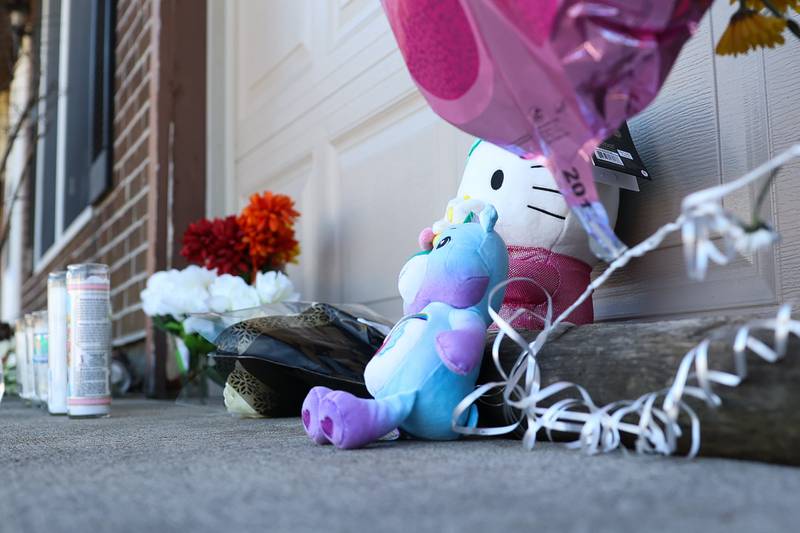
(40, 363)
(89, 342)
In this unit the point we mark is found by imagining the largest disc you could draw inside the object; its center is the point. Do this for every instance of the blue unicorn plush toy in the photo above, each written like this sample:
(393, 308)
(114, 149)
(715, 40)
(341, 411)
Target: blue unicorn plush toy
(430, 360)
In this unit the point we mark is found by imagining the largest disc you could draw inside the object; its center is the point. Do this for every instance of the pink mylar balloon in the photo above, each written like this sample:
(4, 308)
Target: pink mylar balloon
(545, 78)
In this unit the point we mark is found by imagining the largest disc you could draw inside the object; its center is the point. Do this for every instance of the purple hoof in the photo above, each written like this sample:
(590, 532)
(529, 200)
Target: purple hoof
(342, 421)
(310, 414)
(351, 422)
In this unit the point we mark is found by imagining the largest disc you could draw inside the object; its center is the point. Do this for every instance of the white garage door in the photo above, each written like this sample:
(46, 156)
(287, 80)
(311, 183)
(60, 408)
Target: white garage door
(312, 99)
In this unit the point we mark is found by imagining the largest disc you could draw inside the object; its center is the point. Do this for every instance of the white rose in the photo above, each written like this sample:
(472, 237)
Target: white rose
(154, 296)
(191, 292)
(229, 293)
(188, 300)
(177, 292)
(195, 276)
(274, 287)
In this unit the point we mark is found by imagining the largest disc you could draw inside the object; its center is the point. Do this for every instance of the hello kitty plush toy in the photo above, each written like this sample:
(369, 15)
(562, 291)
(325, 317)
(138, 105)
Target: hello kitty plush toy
(545, 240)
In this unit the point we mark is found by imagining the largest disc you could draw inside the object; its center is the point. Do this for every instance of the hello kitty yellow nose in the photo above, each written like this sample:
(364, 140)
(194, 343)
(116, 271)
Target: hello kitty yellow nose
(467, 197)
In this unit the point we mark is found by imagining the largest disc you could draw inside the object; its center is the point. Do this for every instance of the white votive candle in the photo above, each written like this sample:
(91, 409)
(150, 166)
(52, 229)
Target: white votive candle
(23, 389)
(40, 354)
(30, 368)
(57, 342)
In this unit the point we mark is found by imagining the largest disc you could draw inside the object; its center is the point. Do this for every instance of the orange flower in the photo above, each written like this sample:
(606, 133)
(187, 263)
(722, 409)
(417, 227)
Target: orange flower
(268, 226)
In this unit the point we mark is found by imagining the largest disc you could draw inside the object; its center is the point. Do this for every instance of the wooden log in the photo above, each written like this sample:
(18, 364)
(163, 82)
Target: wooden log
(758, 420)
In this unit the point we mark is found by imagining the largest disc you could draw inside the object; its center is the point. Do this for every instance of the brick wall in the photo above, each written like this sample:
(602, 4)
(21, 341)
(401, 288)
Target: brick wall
(117, 233)
(158, 171)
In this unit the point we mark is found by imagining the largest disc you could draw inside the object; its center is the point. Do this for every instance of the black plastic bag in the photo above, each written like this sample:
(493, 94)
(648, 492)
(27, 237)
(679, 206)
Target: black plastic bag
(292, 347)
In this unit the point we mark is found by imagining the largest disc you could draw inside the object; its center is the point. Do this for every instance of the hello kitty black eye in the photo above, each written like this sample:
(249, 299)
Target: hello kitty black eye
(443, 243)
(497, 179)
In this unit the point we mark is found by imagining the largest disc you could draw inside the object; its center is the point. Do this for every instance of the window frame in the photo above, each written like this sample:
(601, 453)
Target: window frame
(99, 172)
(100, 169)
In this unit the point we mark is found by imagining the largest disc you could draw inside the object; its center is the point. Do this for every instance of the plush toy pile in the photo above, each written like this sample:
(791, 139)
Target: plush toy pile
(430, 360)
(508, 220)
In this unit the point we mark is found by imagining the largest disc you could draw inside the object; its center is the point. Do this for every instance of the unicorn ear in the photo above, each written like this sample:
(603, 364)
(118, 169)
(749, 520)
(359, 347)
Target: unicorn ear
(425, 239)
(488, 218)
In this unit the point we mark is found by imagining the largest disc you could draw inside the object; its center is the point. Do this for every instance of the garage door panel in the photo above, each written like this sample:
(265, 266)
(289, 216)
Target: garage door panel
(707, 126)
(388, 190)
(296, 181)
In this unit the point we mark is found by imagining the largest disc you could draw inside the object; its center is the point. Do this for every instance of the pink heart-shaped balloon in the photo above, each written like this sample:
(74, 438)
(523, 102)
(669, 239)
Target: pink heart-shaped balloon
(549, 78)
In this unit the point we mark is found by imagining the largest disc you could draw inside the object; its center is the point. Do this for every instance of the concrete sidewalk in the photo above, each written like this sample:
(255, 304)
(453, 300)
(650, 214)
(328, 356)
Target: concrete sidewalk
(157, 466)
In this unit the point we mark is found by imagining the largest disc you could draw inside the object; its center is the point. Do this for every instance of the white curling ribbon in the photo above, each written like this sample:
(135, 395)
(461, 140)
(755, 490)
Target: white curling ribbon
(705, 218)
(599, 429)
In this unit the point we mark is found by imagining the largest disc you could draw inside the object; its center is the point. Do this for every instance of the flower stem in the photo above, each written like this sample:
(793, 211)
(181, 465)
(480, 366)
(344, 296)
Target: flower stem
(772, 8)
(790, 23)
(762, 195)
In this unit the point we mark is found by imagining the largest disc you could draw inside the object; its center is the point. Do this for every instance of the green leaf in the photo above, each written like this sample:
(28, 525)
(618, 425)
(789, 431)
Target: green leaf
(197, 344)
(167, 323)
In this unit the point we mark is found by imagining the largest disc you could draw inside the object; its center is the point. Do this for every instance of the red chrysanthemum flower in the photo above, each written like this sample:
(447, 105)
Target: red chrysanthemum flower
(217, 244)
(268, 226)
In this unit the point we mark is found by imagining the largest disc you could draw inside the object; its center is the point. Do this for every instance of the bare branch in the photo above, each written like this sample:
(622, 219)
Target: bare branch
(7, 211)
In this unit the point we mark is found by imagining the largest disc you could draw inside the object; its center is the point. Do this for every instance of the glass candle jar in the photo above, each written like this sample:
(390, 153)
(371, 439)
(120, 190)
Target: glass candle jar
(89, 334)
(57, 342)
(40, 353)
(23, 389)
(30, 369)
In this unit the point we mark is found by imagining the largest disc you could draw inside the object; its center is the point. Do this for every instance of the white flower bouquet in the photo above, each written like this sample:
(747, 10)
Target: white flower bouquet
(171, 296)
(237, 263)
